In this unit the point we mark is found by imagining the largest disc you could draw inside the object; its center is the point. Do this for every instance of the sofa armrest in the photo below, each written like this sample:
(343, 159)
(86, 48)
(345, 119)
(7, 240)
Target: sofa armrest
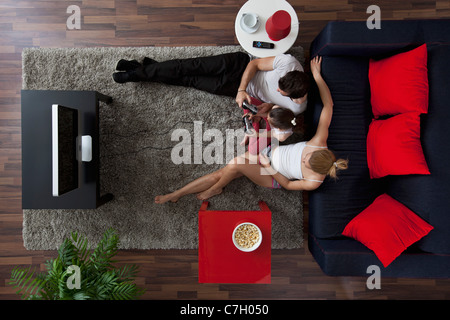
(353, 38)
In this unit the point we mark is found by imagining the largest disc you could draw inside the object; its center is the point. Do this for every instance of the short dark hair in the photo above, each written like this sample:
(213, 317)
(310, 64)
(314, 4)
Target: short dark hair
(295, 84)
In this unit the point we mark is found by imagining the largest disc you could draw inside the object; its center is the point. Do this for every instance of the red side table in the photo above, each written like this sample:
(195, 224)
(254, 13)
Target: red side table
(219, 260)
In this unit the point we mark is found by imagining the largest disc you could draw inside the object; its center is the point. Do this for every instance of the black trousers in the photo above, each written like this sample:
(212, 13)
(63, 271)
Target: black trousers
(220, 74)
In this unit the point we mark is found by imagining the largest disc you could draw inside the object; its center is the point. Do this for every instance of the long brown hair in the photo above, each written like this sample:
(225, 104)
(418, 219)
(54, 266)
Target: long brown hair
(324, 162)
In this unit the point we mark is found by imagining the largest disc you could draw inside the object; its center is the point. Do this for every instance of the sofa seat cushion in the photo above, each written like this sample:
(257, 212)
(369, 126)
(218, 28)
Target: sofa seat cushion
(335, 203)
(348, 257)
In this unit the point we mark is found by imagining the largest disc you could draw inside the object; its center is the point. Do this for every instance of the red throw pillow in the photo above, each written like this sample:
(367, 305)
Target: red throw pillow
(394, 147)
(399, 83)
(387, 227)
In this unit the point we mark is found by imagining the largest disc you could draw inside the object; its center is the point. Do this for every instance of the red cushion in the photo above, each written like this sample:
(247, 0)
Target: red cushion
(387, 227)
(399, 83)
(394, 147)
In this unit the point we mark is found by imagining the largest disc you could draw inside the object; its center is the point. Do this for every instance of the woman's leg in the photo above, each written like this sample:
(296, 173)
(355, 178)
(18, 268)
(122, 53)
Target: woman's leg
(213, 183)
(240, 166)
(198, 185)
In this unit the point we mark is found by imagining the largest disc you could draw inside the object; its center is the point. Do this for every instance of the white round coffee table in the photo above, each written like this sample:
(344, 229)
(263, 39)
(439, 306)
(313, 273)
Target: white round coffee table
(265, 9)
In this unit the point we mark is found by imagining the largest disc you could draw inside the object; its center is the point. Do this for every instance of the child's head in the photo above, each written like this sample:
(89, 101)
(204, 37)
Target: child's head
(282, 118)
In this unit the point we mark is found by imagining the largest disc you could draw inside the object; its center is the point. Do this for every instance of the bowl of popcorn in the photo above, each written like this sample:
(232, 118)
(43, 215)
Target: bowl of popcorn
(247, 237)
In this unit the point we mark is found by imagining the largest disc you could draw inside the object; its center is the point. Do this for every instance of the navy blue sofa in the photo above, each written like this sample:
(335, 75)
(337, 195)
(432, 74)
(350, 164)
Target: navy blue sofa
(346, 48)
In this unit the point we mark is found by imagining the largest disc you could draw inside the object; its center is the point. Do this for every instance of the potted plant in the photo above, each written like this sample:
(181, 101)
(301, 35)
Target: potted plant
(79, 273)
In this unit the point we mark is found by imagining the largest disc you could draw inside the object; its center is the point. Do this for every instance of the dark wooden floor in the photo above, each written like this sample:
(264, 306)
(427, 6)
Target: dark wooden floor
(172, 274)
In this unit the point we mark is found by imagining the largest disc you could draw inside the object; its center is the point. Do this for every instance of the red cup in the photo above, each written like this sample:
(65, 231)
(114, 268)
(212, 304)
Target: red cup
(278, 26)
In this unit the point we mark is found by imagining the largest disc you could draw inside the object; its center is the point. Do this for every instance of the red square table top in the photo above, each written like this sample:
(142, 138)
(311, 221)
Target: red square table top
(219, 260)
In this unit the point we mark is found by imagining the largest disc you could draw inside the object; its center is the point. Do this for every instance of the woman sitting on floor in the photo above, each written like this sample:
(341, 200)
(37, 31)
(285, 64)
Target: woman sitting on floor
(299, 166)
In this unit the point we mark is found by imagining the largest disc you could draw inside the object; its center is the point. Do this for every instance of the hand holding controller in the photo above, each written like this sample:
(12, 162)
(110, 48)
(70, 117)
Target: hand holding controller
(251, 107)
(248, 126)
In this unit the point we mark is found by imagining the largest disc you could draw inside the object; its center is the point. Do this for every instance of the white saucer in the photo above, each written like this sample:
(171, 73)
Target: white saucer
(246, 28)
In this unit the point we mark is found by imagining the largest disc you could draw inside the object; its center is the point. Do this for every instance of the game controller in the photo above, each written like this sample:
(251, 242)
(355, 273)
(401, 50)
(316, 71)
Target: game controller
(248, 126)
(251, 107)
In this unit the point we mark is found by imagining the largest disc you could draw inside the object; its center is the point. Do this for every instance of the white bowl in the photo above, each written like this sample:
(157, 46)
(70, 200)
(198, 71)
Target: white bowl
(255, 246)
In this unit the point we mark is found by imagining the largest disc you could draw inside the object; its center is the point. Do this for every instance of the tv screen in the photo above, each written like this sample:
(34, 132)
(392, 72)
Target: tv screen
(65, 164)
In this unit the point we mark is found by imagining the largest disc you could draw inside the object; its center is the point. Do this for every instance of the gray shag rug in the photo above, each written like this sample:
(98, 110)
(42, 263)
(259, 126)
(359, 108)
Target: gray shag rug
(136, 146)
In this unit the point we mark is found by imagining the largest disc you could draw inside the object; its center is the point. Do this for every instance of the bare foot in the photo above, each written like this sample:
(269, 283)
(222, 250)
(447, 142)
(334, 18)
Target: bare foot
(167, 197)
(208, 194)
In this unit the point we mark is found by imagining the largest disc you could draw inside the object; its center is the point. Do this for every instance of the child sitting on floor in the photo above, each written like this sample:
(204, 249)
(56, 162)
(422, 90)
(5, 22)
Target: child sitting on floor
(280, 123)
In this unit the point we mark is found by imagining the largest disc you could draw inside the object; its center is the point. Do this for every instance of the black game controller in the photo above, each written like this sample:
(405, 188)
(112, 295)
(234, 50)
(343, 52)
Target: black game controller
(251, 107)
(248, 126)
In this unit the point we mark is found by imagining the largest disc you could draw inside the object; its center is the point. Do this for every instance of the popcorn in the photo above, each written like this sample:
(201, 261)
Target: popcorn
(246, 236)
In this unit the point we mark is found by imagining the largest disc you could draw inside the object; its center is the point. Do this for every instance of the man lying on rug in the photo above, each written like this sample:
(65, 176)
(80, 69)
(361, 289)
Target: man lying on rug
(300, 166)
(274, 80)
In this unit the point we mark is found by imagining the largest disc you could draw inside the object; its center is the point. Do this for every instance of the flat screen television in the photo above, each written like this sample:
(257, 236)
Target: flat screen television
(69, 149)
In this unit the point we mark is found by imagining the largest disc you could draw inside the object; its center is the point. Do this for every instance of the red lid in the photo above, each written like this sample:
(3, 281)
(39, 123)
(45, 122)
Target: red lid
(278, 26)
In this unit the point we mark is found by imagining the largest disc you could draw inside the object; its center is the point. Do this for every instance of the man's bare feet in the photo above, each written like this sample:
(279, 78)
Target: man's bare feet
(167, 197)
(208, 194)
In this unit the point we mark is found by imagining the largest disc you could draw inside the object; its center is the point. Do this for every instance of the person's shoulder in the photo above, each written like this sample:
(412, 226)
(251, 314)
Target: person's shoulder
(286, 59)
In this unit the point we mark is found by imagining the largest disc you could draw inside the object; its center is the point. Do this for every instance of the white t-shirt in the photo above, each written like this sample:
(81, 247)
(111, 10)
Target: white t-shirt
(264, 84)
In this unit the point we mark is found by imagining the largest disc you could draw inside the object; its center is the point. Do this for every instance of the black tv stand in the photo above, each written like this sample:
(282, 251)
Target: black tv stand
(37, 150)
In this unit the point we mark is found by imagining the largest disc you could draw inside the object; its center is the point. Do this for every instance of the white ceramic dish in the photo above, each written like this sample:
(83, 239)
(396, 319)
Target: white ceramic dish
(255, 246)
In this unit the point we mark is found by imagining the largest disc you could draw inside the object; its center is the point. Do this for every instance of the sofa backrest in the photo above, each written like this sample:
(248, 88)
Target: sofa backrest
(353, 38)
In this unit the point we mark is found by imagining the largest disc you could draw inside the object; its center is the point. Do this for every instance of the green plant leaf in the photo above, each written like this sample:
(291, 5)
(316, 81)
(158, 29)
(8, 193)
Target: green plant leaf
(106, 249)
(22, 279)
(99, 279)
